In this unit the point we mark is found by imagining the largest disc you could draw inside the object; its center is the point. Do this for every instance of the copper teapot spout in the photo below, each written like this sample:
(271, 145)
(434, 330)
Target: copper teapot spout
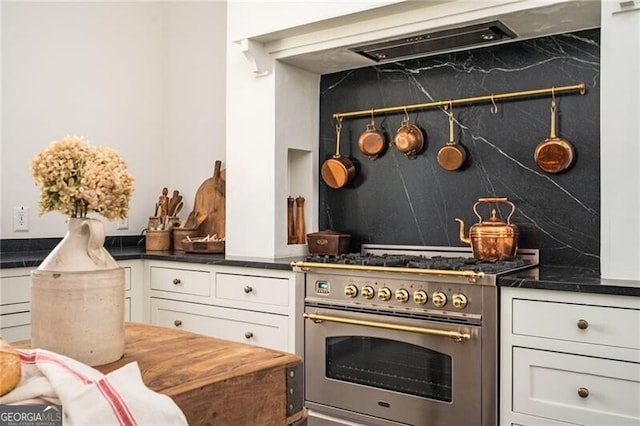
(463, 238)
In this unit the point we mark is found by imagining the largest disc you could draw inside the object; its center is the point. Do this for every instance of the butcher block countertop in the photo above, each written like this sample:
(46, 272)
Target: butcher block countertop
(214, 381)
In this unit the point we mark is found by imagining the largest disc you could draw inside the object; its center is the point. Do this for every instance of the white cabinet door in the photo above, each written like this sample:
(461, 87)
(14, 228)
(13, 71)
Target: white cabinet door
(574, 388)
(15, 306)
(261, 329)
(180, 281)
(595, 325)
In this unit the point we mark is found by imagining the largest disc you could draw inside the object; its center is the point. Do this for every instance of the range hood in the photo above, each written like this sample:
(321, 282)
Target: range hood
(421, 28)
(417, 45)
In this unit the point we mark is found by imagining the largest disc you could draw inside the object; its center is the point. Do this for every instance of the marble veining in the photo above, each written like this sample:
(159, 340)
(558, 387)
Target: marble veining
(395, 200)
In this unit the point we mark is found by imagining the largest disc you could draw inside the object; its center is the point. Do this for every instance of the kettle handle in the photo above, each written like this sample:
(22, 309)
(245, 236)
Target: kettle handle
(495, 200)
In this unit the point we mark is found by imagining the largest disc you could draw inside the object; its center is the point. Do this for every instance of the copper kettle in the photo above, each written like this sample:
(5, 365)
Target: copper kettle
(492, 239)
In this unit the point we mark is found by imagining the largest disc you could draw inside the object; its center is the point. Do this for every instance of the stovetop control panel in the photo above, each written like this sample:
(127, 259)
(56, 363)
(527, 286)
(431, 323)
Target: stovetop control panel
(407, 294)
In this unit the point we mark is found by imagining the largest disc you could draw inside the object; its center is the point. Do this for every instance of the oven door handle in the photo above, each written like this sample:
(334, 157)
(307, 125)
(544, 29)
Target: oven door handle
(455, 335)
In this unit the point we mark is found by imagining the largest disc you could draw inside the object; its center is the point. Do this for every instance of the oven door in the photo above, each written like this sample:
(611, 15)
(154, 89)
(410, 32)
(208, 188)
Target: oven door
(411, 371)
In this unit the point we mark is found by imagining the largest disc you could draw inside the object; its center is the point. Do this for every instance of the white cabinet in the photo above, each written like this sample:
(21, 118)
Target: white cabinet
(249, 305)
(132, 289)
(239, 325)
(15, 299)
(15, 304)
(569, 358)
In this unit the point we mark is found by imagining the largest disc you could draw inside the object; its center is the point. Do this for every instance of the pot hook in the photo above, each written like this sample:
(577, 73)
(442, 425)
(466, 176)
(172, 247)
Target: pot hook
(494, 107)
(338, 129)
(451, 142)
(553, 114)
(405, 120)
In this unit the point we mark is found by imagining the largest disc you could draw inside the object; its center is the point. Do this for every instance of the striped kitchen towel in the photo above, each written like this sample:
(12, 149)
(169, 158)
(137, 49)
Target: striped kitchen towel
(89, 397)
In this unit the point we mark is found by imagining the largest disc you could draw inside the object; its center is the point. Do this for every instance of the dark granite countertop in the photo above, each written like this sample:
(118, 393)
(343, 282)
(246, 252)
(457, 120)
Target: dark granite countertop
(581, 280)
(20, 254)
(33, 258)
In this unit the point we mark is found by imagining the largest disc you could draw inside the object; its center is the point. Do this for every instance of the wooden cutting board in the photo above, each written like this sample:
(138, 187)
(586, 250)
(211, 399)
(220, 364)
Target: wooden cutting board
(211, 201)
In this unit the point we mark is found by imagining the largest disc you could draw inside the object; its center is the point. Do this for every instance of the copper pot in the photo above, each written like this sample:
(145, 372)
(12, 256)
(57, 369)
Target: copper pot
(451, 156)
(554, 155)
(409, 139)
(492, 239)
(371, 141)
(338, 170)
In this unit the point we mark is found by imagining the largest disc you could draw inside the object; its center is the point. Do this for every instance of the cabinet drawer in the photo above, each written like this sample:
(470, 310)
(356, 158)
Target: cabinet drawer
(268, 330)
(547, 384)
(183, 281)
(15, 289)
(252, 289)
(127, 278)
(608, 326)
(15, 327)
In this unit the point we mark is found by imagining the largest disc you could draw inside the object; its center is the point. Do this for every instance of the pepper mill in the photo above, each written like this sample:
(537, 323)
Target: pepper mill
(300, 229)
(291, 227)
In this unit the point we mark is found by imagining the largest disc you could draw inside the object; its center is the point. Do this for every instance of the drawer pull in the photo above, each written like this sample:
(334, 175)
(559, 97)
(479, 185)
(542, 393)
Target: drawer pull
(248, 289)
(248, 335)
(583, 325)
(176, 281)
(177, 323)
(583, 392)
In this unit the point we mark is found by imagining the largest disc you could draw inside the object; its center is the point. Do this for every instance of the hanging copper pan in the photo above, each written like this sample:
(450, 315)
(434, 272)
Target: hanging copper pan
(554, 154)
(409, 138)
(338, 170)
(371, 141)
(452, 155)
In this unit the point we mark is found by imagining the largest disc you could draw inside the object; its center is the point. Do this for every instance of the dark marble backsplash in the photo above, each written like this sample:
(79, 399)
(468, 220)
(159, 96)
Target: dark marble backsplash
(396, 200)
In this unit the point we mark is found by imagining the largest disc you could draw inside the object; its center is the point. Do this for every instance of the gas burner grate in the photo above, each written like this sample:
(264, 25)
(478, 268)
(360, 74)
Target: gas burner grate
(420, 262)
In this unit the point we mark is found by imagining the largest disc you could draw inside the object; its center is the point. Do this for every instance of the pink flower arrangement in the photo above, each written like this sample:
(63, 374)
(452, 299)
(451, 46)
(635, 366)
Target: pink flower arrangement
(76, 178)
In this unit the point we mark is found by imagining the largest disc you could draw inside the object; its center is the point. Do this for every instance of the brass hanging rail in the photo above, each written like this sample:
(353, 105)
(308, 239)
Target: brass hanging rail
(580, 87)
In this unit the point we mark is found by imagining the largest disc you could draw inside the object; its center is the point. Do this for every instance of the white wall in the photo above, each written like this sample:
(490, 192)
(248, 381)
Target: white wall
(194, 100)
(146, 78)
(620, 142)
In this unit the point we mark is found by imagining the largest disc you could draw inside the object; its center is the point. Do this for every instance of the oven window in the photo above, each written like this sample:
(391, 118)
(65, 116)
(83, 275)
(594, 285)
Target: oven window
(389, 364)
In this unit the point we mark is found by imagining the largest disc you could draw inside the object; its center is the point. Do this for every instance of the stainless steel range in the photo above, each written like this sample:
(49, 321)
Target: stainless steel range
(403, 335)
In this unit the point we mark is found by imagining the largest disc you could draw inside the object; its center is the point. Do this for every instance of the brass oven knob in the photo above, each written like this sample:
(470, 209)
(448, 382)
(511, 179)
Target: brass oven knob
(459, 300)
(402, 295)
(384, 294)
(439, 299)
(367, 292)
(351, 290)
(420, 297)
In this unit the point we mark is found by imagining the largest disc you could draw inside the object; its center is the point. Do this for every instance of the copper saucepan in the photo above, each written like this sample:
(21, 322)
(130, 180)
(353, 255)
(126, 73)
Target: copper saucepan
(554, 155)
(338, 170)
(451, 156)
(409, 138)
(371, 141)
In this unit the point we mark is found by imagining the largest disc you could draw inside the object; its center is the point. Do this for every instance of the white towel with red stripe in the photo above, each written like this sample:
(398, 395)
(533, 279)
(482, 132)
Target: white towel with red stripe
(89, 397)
